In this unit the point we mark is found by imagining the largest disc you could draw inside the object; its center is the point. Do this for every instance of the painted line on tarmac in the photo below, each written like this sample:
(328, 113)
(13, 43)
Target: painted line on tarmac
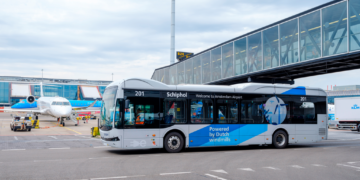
(297, 166)
(273, 168)
(13, 149)
(71, 130)
(119, 177)
(318, 165)
(353, 162)
(246, 169)
(60, 148)
(164, 174)
(53, 137)
(216, 177)
(348, 166)
(220, 171)
(16, 138)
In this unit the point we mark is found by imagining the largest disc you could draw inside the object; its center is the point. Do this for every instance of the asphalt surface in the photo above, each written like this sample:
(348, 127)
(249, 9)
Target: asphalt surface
(71, 153)
(82, 157)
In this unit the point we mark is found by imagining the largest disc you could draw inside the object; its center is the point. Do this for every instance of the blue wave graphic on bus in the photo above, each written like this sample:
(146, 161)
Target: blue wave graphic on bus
(225, 135)
(74, 103)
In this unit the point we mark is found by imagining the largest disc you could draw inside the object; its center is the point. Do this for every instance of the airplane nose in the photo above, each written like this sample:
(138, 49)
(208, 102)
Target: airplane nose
(62, 112)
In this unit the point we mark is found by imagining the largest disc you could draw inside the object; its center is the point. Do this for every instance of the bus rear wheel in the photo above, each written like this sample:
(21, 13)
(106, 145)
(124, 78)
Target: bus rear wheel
(174, 142)
(280, 139)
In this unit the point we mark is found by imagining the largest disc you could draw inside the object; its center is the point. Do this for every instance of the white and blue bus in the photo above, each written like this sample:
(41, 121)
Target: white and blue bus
(145, 114)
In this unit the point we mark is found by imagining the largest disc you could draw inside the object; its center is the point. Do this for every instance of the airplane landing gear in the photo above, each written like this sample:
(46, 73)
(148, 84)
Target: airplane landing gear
(61, 121)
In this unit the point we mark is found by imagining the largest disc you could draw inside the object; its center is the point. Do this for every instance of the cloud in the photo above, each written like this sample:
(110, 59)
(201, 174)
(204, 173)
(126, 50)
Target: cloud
(90, 39)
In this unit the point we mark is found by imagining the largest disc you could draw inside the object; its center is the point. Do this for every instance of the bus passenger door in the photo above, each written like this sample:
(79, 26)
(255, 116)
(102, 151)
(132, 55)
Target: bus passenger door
(227, 131)
(201, 117)
(141, 124)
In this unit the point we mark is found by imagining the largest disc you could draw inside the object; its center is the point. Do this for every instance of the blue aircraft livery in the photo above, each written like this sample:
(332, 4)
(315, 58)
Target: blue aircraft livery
(74, 103)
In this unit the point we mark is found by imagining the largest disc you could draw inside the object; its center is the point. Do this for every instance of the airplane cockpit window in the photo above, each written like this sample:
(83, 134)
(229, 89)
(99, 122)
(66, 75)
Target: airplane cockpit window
(60, 103)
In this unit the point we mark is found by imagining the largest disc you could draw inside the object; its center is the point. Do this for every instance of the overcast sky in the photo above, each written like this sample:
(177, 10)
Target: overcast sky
(90, 39)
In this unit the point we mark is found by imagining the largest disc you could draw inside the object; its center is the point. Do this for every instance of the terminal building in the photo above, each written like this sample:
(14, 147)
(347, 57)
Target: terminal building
(342, 92)
(14, 89)
(324, 39)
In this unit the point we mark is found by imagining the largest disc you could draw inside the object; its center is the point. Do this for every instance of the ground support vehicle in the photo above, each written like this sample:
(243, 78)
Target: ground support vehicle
(347, 113)
(20, 123)
(145, 114)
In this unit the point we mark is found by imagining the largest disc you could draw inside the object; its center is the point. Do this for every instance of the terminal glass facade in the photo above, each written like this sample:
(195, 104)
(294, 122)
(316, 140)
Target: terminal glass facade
(334, 20)
(4, 92)
(314, 34)
(354, 24)
(189, 72)
(310, 36)
(173, 74)
(216, 64)
(255, 52)
(227, 60)
(240, 55)
(167, 75)
(289, 42)
(206, 73)
(271, 47)
(180, 73)
(197, 70)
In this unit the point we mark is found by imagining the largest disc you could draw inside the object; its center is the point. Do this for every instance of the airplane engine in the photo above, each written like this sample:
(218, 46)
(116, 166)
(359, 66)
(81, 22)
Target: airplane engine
(30, 99)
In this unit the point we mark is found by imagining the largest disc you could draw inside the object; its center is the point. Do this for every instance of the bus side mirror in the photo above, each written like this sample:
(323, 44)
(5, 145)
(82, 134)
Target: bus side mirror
(127, 104)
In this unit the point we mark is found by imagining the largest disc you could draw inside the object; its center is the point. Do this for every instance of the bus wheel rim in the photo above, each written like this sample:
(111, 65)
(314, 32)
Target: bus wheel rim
(280, 139)
(174, 142)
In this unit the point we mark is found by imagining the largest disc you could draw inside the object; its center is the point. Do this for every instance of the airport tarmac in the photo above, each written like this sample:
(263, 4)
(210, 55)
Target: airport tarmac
(71, 153)
(48, 126)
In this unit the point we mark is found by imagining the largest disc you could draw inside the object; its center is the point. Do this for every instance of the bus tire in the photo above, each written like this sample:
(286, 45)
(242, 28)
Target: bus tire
(280, 139)
(174, 142)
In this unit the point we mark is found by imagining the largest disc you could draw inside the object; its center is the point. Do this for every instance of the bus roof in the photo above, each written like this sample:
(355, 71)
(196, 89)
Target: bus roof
(256, 88)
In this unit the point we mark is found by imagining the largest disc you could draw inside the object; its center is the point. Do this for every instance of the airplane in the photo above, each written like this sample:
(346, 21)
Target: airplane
(24, 104)
(57, 107)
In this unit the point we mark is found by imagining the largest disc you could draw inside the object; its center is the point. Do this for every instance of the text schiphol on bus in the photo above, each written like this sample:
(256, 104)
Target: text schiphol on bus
(145, 114)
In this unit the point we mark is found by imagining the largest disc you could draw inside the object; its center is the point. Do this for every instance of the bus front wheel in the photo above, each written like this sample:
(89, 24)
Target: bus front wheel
(280, 139)
(174, 142)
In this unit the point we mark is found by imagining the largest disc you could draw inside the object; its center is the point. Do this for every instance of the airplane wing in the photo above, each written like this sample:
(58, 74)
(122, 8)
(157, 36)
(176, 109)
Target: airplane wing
(91, 105)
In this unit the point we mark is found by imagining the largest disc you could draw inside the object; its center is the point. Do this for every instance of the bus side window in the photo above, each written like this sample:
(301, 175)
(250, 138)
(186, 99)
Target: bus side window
(252, 112)
(202, 111)
(174, 111)
(227, 111)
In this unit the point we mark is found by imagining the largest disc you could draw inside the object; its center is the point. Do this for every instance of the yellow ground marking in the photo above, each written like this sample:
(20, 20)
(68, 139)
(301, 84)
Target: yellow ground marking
(67, 128)
(71, 130)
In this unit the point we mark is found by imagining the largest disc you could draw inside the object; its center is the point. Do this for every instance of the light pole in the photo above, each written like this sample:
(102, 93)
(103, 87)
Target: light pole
(172, 49)
(42, 75)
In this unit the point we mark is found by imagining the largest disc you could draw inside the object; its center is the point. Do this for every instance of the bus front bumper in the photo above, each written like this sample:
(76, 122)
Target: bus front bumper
(113, 142)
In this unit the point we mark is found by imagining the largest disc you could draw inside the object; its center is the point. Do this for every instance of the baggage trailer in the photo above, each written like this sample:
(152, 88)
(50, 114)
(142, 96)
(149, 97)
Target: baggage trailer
(347, 113)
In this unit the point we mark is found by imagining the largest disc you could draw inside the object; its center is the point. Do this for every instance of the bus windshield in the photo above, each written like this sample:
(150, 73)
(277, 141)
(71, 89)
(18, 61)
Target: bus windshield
(108, 108)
